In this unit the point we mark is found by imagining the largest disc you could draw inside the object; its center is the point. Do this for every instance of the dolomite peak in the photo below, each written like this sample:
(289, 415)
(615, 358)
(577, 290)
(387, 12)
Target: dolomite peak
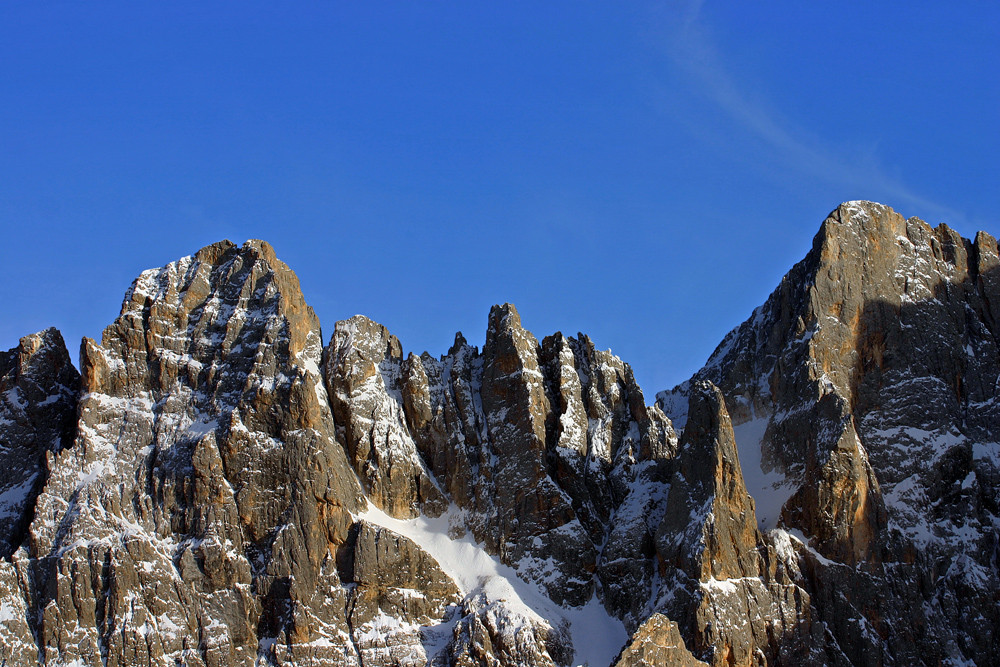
(221, 486)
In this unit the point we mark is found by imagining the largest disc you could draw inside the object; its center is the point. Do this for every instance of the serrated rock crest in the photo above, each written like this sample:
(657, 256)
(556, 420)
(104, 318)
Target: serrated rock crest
(216, 487)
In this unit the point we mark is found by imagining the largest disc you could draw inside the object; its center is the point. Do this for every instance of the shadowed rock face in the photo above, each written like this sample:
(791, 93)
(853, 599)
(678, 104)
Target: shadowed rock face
(38, 394)
(38, 391)
(219, 488)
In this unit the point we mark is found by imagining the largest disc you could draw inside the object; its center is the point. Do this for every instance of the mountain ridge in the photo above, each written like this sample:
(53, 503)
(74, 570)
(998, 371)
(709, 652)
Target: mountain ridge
(237, 492)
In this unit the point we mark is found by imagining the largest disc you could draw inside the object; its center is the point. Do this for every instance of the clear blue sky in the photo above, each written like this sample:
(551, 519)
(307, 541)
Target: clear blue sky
(642, 172)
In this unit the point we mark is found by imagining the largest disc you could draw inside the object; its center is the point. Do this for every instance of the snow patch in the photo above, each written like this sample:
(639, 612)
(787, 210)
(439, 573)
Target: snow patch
(769, 490)
(13, 500)
(596, 635)
(674, 404)
(10, 613)
(786, 537)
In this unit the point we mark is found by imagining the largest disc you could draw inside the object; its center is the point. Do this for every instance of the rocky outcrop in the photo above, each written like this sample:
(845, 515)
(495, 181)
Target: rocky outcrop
(489, 634)
(657, 643)
(709, 530)
(721, 579)
(530, 515)
(363, 369)
(395, 589)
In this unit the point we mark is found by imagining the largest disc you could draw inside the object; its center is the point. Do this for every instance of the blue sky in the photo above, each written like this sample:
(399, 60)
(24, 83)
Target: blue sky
(642, 172)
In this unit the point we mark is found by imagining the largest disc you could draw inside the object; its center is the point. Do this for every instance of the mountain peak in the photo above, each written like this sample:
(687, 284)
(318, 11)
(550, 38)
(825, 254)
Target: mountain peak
(219, 474)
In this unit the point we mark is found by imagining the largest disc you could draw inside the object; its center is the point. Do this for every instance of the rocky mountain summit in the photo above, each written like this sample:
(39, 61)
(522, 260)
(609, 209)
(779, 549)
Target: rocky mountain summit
(218, 487)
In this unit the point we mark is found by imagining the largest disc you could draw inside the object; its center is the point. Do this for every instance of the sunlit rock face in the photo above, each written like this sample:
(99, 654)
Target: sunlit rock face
(220, 485)
(657, 642)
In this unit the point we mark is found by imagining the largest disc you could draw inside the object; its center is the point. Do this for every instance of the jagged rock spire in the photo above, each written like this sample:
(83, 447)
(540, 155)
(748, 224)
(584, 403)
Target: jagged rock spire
(38, 390)
(709, 529)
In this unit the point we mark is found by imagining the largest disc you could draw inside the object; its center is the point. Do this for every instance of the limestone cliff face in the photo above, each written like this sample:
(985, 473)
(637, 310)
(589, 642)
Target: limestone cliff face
(217, 487)
(363, 368)
(721, 578)
(205, 494)
(867, 387)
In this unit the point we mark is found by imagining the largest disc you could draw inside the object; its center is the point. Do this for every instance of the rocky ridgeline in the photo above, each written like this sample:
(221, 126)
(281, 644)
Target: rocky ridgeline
(216, 487)
(868, 386)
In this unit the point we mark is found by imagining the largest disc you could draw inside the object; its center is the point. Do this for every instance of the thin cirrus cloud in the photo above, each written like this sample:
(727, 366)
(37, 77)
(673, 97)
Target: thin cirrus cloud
(693, 53)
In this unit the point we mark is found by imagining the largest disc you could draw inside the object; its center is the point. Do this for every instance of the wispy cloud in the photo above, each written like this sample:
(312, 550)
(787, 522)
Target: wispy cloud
(693, 52)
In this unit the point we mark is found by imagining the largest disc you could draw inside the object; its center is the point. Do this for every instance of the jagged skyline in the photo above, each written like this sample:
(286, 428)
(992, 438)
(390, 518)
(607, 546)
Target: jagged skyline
(218, 487)
(597, 168)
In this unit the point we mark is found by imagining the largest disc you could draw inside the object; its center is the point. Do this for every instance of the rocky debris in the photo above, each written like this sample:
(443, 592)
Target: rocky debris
(657, 643)
(38, 394)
